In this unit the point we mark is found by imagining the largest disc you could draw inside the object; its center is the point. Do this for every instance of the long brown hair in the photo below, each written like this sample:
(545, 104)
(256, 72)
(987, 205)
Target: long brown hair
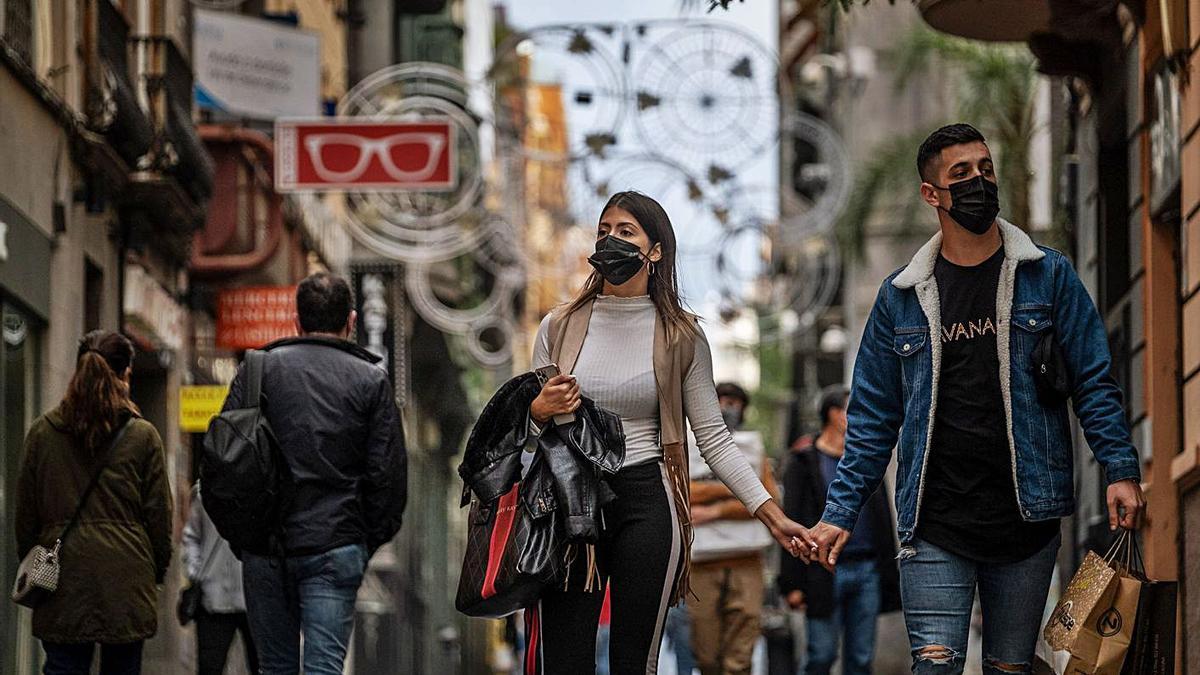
(98, 397)
(664, 281)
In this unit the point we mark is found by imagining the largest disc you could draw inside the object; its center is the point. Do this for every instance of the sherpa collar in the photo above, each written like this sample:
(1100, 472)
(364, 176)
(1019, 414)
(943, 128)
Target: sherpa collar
(1017, 246)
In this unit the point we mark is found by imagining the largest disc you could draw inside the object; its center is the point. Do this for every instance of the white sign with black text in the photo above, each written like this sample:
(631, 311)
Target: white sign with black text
(254, 67)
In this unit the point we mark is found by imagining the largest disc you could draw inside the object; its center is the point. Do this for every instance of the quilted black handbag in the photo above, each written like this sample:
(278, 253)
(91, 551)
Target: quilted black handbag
(514, 550)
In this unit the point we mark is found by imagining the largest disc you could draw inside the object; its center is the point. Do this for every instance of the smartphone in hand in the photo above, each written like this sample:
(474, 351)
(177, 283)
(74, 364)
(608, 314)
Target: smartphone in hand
(543, 375)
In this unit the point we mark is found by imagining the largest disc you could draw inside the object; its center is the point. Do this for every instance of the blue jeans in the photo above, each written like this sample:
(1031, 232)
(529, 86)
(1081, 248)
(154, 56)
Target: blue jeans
(311, 594)
(856, 598)
(76, 659)
(678, 630)
(938, 591)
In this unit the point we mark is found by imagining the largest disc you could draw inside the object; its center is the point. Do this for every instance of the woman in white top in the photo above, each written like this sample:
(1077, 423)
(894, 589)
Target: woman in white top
(627, 343)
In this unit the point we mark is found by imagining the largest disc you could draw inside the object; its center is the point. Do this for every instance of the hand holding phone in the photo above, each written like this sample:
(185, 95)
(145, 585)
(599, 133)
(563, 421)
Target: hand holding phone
(559, 397)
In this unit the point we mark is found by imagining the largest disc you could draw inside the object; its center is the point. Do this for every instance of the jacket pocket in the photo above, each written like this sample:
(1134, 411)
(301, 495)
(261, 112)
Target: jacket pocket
(1032, 318)
(909, 345)
(1031, 322)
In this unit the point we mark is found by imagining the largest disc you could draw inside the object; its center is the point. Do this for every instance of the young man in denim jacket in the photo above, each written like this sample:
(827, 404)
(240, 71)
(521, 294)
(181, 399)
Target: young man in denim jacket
(945, 375)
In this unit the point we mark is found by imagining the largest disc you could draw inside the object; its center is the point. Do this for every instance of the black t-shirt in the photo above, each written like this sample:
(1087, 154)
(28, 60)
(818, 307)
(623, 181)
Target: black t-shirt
(970, 502)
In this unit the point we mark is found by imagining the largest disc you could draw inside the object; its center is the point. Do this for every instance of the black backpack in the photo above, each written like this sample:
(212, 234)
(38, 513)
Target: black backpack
(243, 473)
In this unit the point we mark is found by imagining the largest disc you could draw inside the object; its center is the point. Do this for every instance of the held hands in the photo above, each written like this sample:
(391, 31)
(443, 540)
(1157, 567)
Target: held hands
(559, 396)
(792, 536)
(828, 542)
(1126, 505)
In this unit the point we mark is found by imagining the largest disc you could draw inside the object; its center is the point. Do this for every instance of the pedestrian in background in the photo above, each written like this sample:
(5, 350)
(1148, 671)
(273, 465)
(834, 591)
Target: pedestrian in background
(334, 415)
(841, 606)
(217, 574)
(729, 566)
(117, 552)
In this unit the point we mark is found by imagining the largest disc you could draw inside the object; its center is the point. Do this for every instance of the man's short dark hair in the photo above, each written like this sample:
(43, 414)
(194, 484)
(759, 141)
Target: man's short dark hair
(731, 390)
(833, 398)
(323, 302)
(931, 148)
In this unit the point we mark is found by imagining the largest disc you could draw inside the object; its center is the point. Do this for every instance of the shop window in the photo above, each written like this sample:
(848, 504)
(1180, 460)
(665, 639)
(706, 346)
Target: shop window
(19, 401)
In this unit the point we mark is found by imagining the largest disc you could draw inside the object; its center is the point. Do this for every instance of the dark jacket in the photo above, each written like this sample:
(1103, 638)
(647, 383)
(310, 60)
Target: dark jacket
(333, 412)
(567, 472)
(803, 501)
(121, 546)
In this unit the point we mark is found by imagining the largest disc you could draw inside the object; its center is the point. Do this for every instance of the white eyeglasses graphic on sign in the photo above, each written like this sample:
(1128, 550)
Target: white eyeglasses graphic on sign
(375, 147)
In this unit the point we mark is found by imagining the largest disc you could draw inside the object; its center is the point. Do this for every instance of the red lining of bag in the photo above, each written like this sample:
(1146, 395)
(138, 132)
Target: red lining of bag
(506, 515)
(535, 630)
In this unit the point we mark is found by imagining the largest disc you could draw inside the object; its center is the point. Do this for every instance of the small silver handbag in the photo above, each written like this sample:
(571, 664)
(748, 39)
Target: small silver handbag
(37, 576)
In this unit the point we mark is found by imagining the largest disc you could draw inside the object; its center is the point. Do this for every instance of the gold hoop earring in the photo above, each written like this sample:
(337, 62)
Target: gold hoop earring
(651, 269)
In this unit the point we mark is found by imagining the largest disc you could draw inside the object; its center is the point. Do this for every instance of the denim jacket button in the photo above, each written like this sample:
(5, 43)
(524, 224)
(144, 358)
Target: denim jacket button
(907, 346)
(1033, 322)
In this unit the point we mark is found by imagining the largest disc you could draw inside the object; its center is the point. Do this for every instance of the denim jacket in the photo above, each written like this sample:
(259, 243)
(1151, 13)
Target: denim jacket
(893, 401)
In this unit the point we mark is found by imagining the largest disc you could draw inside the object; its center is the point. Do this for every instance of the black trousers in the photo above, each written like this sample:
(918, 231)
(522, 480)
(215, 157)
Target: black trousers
(214, 636)
(638, 555)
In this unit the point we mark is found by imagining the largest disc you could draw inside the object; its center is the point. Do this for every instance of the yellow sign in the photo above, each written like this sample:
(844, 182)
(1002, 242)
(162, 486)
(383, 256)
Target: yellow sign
(198, 405)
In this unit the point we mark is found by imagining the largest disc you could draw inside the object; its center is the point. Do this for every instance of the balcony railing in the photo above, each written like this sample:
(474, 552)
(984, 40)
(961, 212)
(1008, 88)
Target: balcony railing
(166, 84)
(110, 98)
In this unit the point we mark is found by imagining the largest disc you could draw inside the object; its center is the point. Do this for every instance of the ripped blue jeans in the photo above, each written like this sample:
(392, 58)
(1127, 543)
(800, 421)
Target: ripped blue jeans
(938, 591)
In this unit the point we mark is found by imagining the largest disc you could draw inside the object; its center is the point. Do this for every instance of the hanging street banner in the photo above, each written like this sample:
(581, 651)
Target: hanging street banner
(379, 154)
(254, 67)
(248, 318)
(198, 404)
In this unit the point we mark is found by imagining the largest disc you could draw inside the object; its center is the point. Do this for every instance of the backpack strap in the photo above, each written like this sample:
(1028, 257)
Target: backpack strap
(254, 374)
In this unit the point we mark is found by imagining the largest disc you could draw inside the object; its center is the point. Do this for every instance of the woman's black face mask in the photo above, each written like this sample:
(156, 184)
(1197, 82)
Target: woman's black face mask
(975, 203)
(617, 260)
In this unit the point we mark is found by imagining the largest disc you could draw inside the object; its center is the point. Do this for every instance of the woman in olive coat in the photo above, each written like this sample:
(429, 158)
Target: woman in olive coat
(118, 552)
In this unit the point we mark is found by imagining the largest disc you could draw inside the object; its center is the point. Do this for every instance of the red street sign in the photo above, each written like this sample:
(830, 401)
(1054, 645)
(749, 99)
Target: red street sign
(248, 318)
(397, 154)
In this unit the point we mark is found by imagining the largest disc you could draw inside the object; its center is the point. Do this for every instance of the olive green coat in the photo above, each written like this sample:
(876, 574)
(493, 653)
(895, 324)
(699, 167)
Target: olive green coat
(119, 550)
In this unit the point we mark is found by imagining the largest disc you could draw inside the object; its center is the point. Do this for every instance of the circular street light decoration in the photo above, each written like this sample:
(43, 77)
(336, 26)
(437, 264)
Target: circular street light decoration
(741, 257)
(419, 225)
(580, 62)
(705, 94)
(479, 324)
(697, 221)
(821, 177)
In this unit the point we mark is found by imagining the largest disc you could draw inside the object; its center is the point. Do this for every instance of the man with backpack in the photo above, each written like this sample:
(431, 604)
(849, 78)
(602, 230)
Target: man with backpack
(325, 423)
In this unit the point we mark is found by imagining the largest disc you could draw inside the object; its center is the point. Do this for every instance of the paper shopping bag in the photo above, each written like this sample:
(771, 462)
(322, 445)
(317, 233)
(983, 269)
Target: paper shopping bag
(1102, 643)
(1094, 584)
(1152, 650)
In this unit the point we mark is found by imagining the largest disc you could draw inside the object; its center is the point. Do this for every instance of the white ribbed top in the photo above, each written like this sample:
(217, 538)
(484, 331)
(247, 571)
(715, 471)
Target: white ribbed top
(616, 369)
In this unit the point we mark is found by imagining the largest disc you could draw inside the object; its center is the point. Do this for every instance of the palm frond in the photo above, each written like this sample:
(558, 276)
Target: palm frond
(880, 179)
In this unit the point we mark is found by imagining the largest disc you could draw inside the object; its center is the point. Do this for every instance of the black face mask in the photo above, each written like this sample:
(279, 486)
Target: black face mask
(617, 260)
(732, 417)
(975, 203)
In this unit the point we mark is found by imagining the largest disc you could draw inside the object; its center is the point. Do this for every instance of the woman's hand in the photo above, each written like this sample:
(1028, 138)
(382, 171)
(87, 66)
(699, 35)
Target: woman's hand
(559, 396)
(792, 536)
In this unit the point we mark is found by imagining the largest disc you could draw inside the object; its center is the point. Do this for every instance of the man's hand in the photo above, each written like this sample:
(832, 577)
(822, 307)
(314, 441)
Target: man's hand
(1126, 504)
(705, 513)
(829, 540)
(796, 600)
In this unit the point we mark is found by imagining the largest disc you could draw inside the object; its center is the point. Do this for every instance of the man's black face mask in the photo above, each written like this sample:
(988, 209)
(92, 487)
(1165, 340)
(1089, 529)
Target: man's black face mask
(975, 203)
